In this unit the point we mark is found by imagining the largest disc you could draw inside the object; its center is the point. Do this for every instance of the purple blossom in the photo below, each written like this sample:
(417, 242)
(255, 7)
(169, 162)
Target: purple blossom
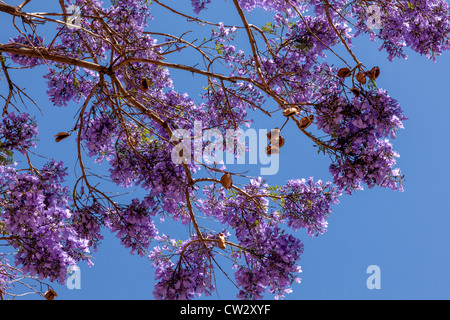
(36, 214)
(28, 40)
(17, 132)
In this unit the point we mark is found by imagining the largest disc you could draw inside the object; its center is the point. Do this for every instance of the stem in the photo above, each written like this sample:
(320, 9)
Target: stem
(327, 12)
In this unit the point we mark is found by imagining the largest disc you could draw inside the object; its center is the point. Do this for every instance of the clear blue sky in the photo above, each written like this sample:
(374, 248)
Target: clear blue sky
(405, 234)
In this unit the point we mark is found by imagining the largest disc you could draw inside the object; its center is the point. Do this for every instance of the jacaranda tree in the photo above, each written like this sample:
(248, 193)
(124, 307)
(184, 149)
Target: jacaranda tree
(104, 57)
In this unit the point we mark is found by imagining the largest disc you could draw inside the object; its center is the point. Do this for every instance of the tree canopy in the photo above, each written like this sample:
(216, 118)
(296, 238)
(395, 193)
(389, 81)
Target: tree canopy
(176, 146)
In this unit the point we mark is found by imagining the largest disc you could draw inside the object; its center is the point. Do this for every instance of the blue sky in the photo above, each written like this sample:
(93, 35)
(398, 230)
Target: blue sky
(405, 234)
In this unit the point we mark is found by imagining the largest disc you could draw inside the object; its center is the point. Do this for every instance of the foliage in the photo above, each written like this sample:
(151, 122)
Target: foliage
(118, 71)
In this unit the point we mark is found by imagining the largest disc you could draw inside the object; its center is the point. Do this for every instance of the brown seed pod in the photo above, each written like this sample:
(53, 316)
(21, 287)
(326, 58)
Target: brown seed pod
(293, 111)
(272, 150)
(355, 91)
(344, 72)
(226, 181)
(278, 139)
(280, 142)
(221, 242)
(132, 140)
(145, 84)
(61, 136)
(50, 294)
(275, 132)
(305, 122)
(374, 73)
(361, 77)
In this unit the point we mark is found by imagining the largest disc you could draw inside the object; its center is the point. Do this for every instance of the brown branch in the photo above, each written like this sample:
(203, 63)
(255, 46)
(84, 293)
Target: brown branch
(13, 10)
(43, 53)
(180, 67)
(327, 12)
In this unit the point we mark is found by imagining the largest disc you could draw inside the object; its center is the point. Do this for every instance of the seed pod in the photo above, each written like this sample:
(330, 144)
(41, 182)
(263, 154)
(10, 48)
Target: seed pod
(293, 111)
(344, 72)
(305, 122)
(279, 139)
(50, 294)
(145, 84)
(374, 73)
(361, 77)
(61, 136)
(276, 132)
(226, 181)
(280, 142)
(272, 150)
(132, 141)
(355, 91)
(221, 242)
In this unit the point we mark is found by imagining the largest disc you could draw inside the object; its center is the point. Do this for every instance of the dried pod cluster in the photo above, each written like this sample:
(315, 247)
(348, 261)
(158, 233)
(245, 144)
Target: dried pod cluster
(360, 76)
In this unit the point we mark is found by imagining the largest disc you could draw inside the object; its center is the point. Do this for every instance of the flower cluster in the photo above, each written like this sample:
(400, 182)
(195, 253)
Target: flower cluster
(199, 5)
(271, 264)
(422, 26)
(190, 277)
(17, 132)
(99, 136)
(35, 214)
(134, 226)
(359, 131)
(66, 85)
(308, 204)
(269, 250)
(30, 40)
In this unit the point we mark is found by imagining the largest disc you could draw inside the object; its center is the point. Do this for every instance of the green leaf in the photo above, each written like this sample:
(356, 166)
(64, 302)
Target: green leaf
(6, 157)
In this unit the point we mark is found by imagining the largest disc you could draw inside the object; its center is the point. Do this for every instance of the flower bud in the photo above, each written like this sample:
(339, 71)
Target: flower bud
(226, 181)
(344, 72)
